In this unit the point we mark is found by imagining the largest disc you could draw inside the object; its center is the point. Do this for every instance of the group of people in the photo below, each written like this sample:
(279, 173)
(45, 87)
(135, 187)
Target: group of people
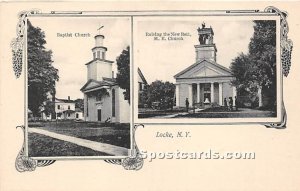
(228, 104)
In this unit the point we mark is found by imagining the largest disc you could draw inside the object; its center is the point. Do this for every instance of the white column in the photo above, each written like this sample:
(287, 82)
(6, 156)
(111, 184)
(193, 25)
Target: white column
(198, 93)
(220, 93)
(212, 96)
(260, 104)
(177, 94)
(233, 94)
(190, 94)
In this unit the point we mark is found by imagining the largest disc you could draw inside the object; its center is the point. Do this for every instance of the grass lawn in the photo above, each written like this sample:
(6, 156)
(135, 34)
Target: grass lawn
(115, 134)
(220, 112)
(44, 146)
(149, 112)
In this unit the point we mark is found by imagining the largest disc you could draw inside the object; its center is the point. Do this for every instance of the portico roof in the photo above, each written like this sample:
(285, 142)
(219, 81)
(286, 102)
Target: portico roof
(92, 84)
(204, 68)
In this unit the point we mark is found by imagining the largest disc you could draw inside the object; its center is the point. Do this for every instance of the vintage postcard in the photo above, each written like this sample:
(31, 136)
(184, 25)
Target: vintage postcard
(135, 95)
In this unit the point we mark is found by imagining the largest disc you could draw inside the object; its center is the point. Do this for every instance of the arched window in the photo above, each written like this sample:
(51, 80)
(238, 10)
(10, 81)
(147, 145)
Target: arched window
(113, 104)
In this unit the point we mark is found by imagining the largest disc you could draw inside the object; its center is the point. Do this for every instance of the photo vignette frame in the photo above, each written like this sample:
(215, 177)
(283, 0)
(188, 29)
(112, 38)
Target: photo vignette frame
(283, 54)
(25, 163)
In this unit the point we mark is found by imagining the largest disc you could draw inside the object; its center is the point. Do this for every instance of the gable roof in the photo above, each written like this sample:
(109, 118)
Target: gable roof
(142, 76)
(65, 100)
(105, 82)
(99, 60)
(199, 63)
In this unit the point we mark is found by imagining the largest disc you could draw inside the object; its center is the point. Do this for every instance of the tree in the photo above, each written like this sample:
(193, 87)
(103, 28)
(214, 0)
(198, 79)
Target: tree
(41, 74)
(123, 76)
(79, 104)
(162, 92)
(257, 70)
(262, 49)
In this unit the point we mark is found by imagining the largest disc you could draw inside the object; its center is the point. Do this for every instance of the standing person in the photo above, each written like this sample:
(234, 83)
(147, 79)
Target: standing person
(187, 104)
(225, 103)
(236, 103)
(230, 104)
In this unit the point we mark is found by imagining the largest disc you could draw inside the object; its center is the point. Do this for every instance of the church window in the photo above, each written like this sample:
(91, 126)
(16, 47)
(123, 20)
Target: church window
(58, 106)
(98, 54)
(113, 103)
(98, 97)
(94, 55)
(69, 107)
(103, 55)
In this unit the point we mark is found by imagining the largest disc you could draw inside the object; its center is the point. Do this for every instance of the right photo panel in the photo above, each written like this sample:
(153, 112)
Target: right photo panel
(197, 69)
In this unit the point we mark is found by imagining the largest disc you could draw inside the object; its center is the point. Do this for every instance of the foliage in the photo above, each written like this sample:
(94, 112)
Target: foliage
(162, 92)
(41, 74)
(257, 69)
(79, 104)
(123, 76)
(49, 107)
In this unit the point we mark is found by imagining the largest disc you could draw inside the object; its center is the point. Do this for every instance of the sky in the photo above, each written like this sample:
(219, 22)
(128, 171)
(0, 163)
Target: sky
(157, 59)
(161, 60)
(71, 54)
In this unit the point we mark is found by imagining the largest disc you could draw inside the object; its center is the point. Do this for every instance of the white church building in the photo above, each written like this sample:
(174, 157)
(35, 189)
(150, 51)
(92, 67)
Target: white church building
(206, 81)
(103, 98)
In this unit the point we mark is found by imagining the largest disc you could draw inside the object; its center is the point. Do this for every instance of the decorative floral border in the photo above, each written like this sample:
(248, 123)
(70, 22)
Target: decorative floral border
(24, 163)
(286, 47)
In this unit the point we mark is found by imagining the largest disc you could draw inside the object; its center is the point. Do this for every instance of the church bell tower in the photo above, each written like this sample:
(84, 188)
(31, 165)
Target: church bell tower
(206, 49)
(99, 67)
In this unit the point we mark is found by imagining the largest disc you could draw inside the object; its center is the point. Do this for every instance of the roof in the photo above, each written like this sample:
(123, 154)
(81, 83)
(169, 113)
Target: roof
(199, 62)
(68, 111)
(142, 76)
(65, 100)
(99, 60)
(105, 82)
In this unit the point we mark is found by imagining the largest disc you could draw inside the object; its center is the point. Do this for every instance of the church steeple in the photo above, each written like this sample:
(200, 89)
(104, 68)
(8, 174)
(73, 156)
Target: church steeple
(206, 49)
(99, 67)
(99, 51)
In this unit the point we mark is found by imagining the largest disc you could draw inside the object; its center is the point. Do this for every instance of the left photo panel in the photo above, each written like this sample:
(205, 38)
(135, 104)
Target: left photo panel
(77, 83)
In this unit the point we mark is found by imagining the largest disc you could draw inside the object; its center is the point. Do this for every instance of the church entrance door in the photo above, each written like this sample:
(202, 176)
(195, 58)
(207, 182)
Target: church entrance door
(99, 114)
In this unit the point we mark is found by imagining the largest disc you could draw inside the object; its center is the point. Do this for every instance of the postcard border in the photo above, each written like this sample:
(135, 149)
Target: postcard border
(135, 162)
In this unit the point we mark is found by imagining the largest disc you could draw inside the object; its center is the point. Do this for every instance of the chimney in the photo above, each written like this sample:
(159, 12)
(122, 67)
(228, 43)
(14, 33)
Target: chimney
(69, 98)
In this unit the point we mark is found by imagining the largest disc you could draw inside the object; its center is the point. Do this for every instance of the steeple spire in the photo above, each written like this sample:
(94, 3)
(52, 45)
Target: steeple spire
(100, 29)
(99, 50)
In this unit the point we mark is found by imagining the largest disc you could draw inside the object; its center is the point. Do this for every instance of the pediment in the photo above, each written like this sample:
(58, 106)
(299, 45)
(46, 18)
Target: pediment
(207, 72)
(91, 84)
(202, 69)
